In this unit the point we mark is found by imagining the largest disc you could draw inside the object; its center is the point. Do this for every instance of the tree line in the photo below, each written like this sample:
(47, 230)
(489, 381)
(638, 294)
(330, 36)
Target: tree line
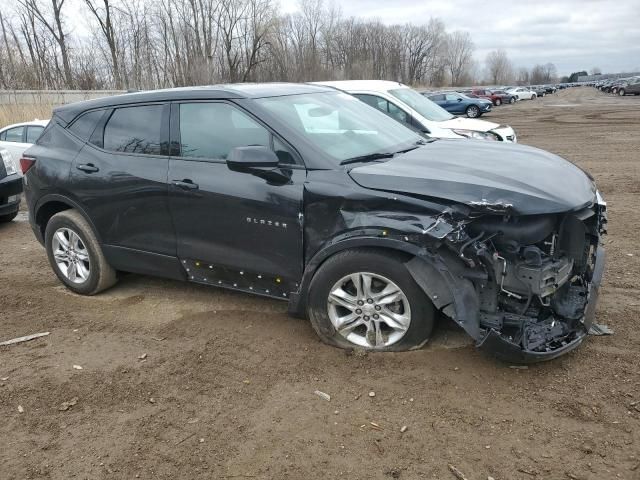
(144, 44)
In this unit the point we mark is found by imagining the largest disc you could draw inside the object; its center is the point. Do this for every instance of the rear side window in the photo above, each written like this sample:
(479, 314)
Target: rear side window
(437, 98)
(33, 133)
(134, 130)
(13, 134)
(84, 125)
(212, 130)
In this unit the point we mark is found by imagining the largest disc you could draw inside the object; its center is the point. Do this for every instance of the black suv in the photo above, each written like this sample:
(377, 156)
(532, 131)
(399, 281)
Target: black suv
(304, 193)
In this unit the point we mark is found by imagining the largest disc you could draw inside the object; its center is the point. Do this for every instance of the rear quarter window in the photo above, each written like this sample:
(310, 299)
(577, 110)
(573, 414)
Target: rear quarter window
(85, 124)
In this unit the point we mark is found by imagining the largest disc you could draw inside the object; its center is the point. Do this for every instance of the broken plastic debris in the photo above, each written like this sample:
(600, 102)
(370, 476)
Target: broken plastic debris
(599, 329)
(372, 394)
(77, 367)
(24, 339)
(20, 409)
(324, 396)
(403, 429)
(67, 405)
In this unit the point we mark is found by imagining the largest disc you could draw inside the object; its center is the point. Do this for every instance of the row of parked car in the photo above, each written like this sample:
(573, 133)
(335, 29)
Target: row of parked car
(620, 86)
(338, 198)
(477, 101)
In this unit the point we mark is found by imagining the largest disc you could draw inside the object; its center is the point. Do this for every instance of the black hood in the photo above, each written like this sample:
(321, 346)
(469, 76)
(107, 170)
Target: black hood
(487, 176)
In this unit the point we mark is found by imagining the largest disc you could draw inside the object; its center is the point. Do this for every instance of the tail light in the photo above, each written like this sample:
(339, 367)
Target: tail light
(26, 163)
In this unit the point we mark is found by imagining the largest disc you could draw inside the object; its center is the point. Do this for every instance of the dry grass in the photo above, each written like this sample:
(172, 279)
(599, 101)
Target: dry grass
(13, 113)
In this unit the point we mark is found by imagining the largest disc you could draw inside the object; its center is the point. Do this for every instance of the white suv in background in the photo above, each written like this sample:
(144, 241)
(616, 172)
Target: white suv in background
(18, 137)
(418, 112)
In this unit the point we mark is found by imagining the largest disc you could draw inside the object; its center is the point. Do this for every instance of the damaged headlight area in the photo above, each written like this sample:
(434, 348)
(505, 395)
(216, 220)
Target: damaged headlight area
(477, 134)
(536, 279)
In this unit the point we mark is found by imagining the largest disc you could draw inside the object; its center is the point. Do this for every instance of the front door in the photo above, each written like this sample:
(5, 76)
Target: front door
(234, 229)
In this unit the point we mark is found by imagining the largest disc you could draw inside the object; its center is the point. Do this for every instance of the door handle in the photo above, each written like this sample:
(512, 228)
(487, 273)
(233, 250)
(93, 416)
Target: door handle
(186, 184)
(87, 167)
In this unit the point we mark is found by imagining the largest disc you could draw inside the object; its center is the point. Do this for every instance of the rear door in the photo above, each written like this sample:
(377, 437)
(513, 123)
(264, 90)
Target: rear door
(235, 229)
(120, 177)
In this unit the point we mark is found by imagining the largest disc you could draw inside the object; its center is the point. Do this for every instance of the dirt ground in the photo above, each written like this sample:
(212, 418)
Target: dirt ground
(227, 386)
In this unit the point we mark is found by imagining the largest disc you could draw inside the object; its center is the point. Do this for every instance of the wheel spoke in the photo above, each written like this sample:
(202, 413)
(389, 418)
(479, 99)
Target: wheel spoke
(72, 272)
(374, 334)
(396, 321)
(356, 278)
(366, 286)
(62, 240)
(389, 294)
(342, 298)
(82, 255)
(82, 271)
(345, 325)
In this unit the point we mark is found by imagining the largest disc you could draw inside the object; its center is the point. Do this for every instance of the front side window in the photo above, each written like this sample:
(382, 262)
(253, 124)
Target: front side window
(339, 125)
(13, 134)
(451, 97)
(384, 106)
(33, 132)
(212, 130)
(134, 130)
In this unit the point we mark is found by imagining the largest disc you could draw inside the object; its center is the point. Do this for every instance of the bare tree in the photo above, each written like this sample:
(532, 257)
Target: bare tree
(52, 20)
(104, 17)
(499, 67)
(458, 55)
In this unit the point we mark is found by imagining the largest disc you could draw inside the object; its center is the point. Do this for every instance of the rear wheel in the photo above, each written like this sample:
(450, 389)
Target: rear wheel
(367, 299)
(512, 100)
(621, 92)
(75, 254)
(473, 111)
(498, 102)
(533, 97)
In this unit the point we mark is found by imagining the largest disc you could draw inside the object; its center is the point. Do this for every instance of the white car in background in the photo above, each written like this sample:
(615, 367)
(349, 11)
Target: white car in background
(18, 137)
(523, 93)
(418, 112)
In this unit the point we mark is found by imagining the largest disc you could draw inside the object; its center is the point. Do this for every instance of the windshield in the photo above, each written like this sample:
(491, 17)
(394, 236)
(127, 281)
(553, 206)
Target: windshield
(421, 104)
(340, 125)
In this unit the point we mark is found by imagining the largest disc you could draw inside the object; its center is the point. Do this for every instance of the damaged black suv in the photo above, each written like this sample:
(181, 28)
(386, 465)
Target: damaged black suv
(304, 193)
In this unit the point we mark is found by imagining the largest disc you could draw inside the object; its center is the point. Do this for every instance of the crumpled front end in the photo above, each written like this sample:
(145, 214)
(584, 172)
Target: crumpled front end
(529, 285)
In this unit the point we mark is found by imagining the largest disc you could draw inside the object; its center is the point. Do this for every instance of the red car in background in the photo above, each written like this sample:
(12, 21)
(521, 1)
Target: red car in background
(498, 97)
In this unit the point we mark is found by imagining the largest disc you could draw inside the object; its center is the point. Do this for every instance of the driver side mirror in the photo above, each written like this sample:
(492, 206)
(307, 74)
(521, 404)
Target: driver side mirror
(246, 158)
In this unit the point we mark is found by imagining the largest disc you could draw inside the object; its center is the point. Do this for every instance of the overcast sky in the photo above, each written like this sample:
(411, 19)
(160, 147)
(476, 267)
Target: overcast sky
(572, 34)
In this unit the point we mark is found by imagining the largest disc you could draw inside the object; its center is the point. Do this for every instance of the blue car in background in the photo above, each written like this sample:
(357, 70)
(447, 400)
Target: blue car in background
(459, 104)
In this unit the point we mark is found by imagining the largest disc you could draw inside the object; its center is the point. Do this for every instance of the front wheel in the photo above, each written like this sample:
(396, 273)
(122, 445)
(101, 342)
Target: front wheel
(621, 92)
(367, 299)
(75, 254)
(473, 111)
(533, 97)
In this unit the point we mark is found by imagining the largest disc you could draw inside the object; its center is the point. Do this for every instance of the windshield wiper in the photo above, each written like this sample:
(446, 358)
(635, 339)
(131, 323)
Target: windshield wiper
(368, 158)
(382, 155)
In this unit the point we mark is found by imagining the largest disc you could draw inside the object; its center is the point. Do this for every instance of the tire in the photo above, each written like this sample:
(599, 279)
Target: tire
(9, 217)
(621, 92)
(473, 111)
(380, 266)
(533, 97)
(498, 102)
(90, 273)
(512, 100)
(614, 90)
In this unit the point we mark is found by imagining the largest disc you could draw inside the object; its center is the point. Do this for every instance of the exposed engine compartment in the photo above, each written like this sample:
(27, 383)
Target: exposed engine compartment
(532, 275)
